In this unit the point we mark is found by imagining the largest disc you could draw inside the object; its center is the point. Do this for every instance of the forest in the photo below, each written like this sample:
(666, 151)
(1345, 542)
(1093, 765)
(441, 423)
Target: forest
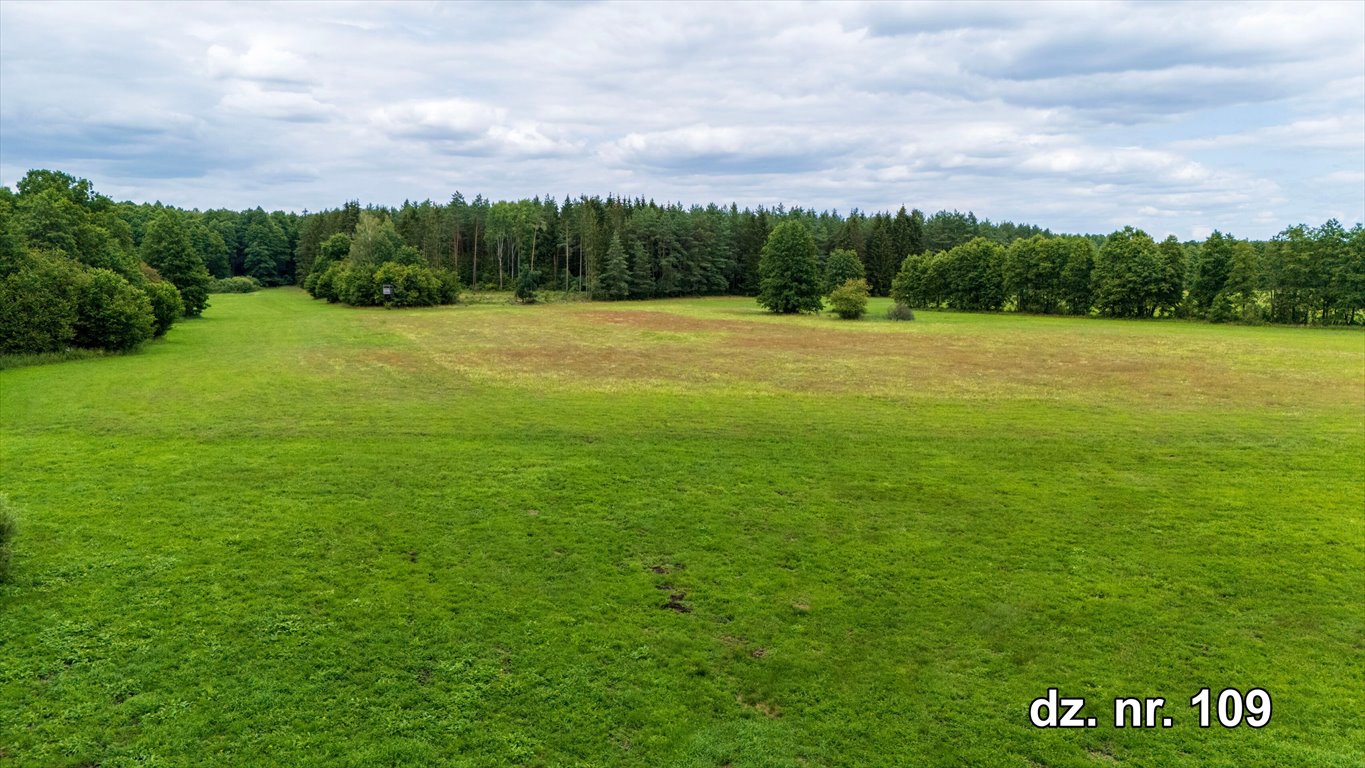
(78, 269)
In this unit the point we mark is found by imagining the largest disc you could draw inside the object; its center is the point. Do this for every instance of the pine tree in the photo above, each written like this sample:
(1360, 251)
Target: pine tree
(789, 271)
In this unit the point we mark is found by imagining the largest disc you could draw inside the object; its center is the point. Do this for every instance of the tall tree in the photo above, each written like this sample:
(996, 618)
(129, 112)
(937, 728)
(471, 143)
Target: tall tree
(613, 281)
(842, 266)
(1170, 291)
(789, 271)
(1076, 289)
(1211, 270)
(1127, 274)
(882, 259)
(375, 242)
(166, 247)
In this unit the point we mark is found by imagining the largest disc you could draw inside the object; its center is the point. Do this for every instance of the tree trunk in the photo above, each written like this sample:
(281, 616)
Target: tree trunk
(455, 247)
(474, 259)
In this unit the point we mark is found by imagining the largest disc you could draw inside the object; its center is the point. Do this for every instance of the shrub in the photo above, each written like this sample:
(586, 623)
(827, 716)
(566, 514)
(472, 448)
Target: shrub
(7, 531)
(235, 285)
(899, 311)
(413, 285)
(325, 285)
(112, 314)
(1221, 309)
(526, 287)
(38, 306)
(450, 286)
(166, 306)
(356, 286)
(849, 300)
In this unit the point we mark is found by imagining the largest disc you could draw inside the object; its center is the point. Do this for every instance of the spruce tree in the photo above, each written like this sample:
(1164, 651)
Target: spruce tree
(642, 273)
(789, 271)
(613, 281)
(915, 233)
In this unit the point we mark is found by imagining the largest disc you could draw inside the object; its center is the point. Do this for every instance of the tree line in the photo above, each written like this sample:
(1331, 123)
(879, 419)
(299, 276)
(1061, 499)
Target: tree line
(619, 248)
(1302, 275)
(78, 269)
(73, 275)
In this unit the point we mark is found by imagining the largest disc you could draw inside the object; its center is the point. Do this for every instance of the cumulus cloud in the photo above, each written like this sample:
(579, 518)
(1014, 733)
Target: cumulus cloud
(261, 62)
(1075, 116)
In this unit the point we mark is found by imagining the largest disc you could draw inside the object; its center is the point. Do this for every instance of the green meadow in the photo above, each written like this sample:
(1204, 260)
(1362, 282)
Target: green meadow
(680, 533)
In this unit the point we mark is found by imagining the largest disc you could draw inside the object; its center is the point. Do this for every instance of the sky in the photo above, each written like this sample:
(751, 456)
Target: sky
(1176, 118)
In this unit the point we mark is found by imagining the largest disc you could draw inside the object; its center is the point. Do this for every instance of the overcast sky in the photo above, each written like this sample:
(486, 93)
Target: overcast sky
(1178, 118)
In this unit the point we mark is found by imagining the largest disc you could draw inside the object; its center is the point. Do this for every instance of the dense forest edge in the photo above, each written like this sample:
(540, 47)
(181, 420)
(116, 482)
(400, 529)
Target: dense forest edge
(79, 271)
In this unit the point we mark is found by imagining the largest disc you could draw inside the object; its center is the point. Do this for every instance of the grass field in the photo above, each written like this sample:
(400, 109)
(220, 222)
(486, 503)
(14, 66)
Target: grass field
(680, 533)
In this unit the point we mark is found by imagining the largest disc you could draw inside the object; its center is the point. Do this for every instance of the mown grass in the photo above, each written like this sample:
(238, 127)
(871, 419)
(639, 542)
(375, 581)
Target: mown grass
(680, 533)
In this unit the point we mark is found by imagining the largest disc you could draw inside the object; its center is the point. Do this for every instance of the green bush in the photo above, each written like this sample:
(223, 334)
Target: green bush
(356, 286)
(527, 282)
(849, 300)
(112, 314)
(235, 285)
(413, 285)
(1221, 309)
(325, 285)
(7, 531)
(899, 311)
(166, 307)
(450, 286)
(38, 306)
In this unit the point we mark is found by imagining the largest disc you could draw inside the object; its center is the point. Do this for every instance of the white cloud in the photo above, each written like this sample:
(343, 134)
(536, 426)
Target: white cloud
(1073, 116)
(252, 100)
(1330, 132)
(448, 119)
(261, 61)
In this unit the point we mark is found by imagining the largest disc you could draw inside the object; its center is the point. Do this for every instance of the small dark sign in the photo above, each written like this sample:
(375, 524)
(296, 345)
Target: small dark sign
(388, 289)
